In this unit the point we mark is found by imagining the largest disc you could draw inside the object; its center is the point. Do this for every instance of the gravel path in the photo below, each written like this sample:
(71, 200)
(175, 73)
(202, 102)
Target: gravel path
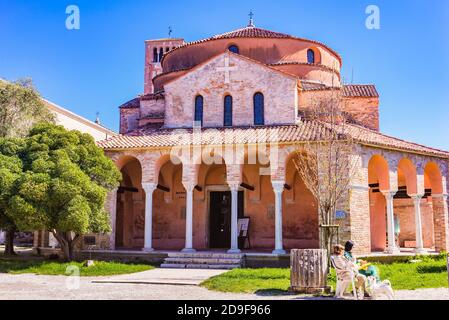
(145, 286)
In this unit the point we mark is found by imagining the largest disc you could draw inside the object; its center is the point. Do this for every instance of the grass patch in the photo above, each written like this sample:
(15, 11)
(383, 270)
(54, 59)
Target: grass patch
(101, 268)
(429, 273)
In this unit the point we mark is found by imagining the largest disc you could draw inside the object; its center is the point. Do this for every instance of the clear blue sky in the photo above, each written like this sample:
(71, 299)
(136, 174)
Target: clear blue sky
(100, 66)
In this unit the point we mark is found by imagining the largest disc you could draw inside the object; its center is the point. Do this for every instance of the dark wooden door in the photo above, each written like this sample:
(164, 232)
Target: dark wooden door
(220, 218)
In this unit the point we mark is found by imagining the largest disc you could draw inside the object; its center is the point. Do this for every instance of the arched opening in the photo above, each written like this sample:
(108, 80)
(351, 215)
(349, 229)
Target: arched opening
(169, 205)
(161, 54)
(310, 56)
(234, 49)
(212, 198)
(301, 218)
(259, 199)
(155, 55)
(259, 106)
(199, 104)
(378, 179)
(130, 217)
(436, 217)
(404, 206)
(227, 122)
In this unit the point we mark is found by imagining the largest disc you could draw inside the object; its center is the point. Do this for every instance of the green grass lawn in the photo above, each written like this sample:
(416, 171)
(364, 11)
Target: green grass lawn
(100, 268)
(430, 273)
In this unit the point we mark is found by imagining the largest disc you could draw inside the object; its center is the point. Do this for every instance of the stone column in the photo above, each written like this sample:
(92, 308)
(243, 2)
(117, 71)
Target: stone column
(234, 186)
(418, 224)
(278, 187)
(113, 217)
(149, 189)
(392, 247)
(189, 217)
(440, 221)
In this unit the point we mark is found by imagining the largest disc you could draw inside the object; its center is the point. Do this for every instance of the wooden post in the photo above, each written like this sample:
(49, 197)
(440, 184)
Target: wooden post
(308, 268)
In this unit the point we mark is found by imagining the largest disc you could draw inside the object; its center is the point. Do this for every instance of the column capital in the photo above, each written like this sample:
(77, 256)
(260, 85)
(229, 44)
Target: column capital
(189, 185)
(278, 185)
(416, 197)
(149, 187)
(388, 193)
(441, 195)
(234, 185)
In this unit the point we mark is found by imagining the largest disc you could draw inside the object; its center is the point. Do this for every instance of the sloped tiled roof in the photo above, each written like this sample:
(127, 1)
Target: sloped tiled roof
(131, 104)
(350, 91)
(303, 131)
(360, 90)
(250, 32)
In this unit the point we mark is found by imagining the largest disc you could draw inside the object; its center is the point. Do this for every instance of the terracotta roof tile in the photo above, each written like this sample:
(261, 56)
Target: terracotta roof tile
(350, 91)
(360, 90)
(303, 131)
(131, 104)
(250, 32)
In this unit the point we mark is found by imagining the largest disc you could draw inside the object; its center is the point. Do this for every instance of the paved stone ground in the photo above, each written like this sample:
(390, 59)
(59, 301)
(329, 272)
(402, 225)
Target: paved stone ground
(148, 285)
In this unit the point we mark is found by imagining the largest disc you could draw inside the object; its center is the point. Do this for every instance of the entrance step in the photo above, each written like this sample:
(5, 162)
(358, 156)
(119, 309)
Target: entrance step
(202, 260)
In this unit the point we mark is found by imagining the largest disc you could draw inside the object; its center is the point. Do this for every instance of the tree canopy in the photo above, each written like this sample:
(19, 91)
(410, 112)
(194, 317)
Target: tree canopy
(21, 107)
(63, 186)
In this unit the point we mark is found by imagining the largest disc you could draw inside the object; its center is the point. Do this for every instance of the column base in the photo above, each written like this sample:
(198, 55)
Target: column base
(278, 251)
(234, 251)
(147, 249)
(188, 250)
(420, 251)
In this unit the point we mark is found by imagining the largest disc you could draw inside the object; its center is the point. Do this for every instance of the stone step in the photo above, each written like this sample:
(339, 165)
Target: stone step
(205, 255)
(199, 266)
(203, 260)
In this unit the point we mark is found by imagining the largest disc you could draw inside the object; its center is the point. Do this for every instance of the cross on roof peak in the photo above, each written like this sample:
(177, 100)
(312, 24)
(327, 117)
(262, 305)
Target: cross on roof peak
(251, 21)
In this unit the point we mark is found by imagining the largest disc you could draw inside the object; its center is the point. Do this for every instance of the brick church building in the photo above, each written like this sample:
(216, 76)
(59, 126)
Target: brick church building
(212, 139)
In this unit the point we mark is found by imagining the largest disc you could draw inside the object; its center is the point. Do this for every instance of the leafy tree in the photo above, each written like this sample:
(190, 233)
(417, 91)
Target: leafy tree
(21, 107)
(10, 171)
(64, 185)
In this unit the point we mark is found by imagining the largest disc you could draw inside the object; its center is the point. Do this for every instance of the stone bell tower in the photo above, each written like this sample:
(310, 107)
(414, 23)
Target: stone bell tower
(154, 51)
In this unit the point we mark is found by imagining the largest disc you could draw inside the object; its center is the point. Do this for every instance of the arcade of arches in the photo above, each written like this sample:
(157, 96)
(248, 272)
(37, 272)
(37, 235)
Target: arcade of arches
(397, 202)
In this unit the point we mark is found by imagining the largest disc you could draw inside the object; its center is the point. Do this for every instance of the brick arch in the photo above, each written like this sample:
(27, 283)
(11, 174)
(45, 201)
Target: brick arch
(378, 172)
(433, 179)
(407, 174)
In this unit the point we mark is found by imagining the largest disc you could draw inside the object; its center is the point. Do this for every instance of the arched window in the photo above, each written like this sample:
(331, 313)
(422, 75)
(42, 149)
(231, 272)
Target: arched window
(227, 111)
(161, 54)
(310, 56)
(234, 49)
(259, 119)
(155, 55)
(199, 101)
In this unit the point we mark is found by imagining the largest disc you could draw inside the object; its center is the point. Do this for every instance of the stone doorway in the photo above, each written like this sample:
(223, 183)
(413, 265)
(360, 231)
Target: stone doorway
(220, 218)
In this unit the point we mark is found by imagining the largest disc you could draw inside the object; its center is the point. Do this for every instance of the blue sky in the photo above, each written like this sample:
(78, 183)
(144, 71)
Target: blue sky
(100, 66)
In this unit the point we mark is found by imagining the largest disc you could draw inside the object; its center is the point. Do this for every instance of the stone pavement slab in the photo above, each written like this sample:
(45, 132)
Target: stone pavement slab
(164, 276)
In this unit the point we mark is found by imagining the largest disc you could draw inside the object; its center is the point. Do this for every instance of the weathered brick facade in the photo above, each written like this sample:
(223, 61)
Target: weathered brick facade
(393, 180)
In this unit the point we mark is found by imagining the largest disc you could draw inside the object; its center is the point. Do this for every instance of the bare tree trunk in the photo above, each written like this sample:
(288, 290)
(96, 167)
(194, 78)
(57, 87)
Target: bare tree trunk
(9, 242)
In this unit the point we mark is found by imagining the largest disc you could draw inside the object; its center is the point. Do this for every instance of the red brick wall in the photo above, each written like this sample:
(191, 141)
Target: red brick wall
(365, 111)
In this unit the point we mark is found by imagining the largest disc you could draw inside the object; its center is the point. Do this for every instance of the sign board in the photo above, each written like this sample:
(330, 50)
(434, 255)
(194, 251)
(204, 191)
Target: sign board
(340, 215)
(243, 226)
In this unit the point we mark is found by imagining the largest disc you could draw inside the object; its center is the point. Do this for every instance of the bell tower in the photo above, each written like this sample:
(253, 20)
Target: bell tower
(154, 51)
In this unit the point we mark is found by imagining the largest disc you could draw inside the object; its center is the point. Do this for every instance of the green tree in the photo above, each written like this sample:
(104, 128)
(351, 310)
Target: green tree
(64, 185)
(10, 171)
(21, 107)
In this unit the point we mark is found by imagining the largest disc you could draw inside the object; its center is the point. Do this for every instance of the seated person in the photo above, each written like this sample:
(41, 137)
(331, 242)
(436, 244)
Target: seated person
(345, 269)
(363, 267)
